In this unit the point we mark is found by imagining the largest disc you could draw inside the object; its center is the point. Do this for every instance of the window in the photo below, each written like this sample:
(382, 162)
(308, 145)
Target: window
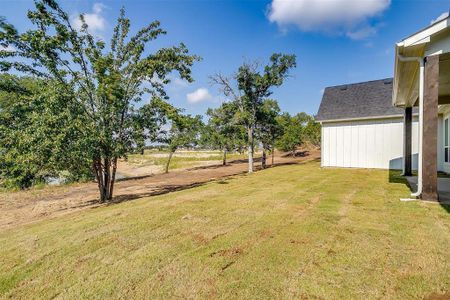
(446, 140)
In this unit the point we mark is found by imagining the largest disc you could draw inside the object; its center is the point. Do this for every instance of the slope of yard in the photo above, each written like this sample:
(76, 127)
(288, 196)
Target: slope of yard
(286, 232)
(154, 161)
(26, 206)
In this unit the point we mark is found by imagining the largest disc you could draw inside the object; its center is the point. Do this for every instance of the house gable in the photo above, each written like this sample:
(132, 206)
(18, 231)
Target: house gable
(363, 100)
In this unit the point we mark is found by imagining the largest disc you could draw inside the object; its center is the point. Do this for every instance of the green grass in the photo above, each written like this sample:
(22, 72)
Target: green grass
(180, 159)
(286, 232)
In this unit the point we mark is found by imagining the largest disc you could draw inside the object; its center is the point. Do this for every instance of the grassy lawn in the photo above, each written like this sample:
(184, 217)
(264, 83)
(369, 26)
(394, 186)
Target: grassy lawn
(287, 232)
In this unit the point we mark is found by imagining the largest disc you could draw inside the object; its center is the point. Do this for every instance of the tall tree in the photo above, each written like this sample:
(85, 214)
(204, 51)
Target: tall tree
(223, 130)
(103, 84)
(251, 87)
(183, 130)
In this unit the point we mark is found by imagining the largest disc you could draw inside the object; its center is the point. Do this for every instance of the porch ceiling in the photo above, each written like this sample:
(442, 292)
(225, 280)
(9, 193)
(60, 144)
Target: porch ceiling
(444, 78)
(432, 40)
(406, 79)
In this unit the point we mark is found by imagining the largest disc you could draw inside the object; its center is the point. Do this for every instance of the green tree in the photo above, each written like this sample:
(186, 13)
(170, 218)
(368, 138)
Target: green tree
(292, 133)
(183, 130)
(267, 128)
(223, 131)
(104, 85)
(311, 129)
(251, 87)
(31, 111)
(312, 132)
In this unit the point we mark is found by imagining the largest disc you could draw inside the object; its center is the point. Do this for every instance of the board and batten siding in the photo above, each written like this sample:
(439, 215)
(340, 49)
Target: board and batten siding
(366, 143)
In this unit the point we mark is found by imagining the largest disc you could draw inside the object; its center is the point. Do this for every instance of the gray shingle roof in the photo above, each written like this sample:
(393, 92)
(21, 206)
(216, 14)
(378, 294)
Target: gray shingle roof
(358, 100)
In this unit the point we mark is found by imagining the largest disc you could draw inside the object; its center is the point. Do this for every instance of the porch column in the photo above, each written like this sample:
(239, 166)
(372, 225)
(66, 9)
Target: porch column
(407, 143)
(430, 129)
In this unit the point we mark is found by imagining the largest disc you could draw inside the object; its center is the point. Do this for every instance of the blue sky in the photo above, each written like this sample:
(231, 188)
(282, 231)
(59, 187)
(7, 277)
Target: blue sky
(335, 41)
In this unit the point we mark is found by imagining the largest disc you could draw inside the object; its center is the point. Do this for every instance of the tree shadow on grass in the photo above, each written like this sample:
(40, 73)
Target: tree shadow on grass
(168, 188)
(229, 164)
(297, 154)
(159, 190)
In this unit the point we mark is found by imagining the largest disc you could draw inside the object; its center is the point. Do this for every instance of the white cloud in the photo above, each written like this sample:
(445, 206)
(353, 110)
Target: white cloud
(95, 20)
(199, 95)
(362, 33)
(441, 17)
(341, 16)
(98, 8)
(178, 83)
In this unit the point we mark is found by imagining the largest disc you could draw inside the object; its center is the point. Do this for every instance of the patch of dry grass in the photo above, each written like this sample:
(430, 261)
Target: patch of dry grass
(286, 232)
(181, 159)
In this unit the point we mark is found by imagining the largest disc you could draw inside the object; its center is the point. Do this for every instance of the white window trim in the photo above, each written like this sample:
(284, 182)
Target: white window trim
(446, 147)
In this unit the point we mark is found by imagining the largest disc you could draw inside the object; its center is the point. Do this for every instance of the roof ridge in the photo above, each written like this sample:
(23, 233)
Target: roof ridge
(356, 83)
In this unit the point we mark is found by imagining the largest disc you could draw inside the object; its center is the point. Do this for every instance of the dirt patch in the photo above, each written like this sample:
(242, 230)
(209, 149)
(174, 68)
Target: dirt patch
(128, 170)
(227, 252)
(33, 205)
(436, 296)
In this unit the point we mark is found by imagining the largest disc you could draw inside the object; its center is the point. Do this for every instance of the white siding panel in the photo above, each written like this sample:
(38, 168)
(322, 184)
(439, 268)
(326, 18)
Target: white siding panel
(326, 141)
(362, 146)
(340, 140)
(371, 152)
(366, 144)
(332, 151)
(347, 147)
(386, 145)
(395, 157)
(354, 148)
(415, 143)
(379, 145)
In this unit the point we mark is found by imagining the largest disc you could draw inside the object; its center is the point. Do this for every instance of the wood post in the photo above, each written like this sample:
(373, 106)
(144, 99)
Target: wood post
(407, 143)
(430, 129)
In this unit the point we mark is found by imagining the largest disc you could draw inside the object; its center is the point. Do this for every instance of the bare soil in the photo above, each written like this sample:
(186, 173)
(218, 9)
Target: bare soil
(29, 206)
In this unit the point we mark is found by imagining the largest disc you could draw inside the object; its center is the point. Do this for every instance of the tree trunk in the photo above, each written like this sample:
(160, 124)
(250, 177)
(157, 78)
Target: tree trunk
(224, 160)
(263, 160)
(250, 149)
(113, 177)
(97, 166)
(273, 153)
(168, 161)
(105, 174)
(107, 177)
(293, 153)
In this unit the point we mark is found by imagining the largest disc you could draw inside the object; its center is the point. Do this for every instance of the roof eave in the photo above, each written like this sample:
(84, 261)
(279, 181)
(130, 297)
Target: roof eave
(379, 117)
(405, 94)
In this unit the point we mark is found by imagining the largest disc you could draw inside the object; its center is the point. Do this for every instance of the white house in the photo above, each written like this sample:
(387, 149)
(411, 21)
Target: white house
(399, 123)
(361, 128)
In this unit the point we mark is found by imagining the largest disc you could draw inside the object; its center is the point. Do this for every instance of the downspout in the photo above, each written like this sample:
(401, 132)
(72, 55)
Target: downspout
(421, 91)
